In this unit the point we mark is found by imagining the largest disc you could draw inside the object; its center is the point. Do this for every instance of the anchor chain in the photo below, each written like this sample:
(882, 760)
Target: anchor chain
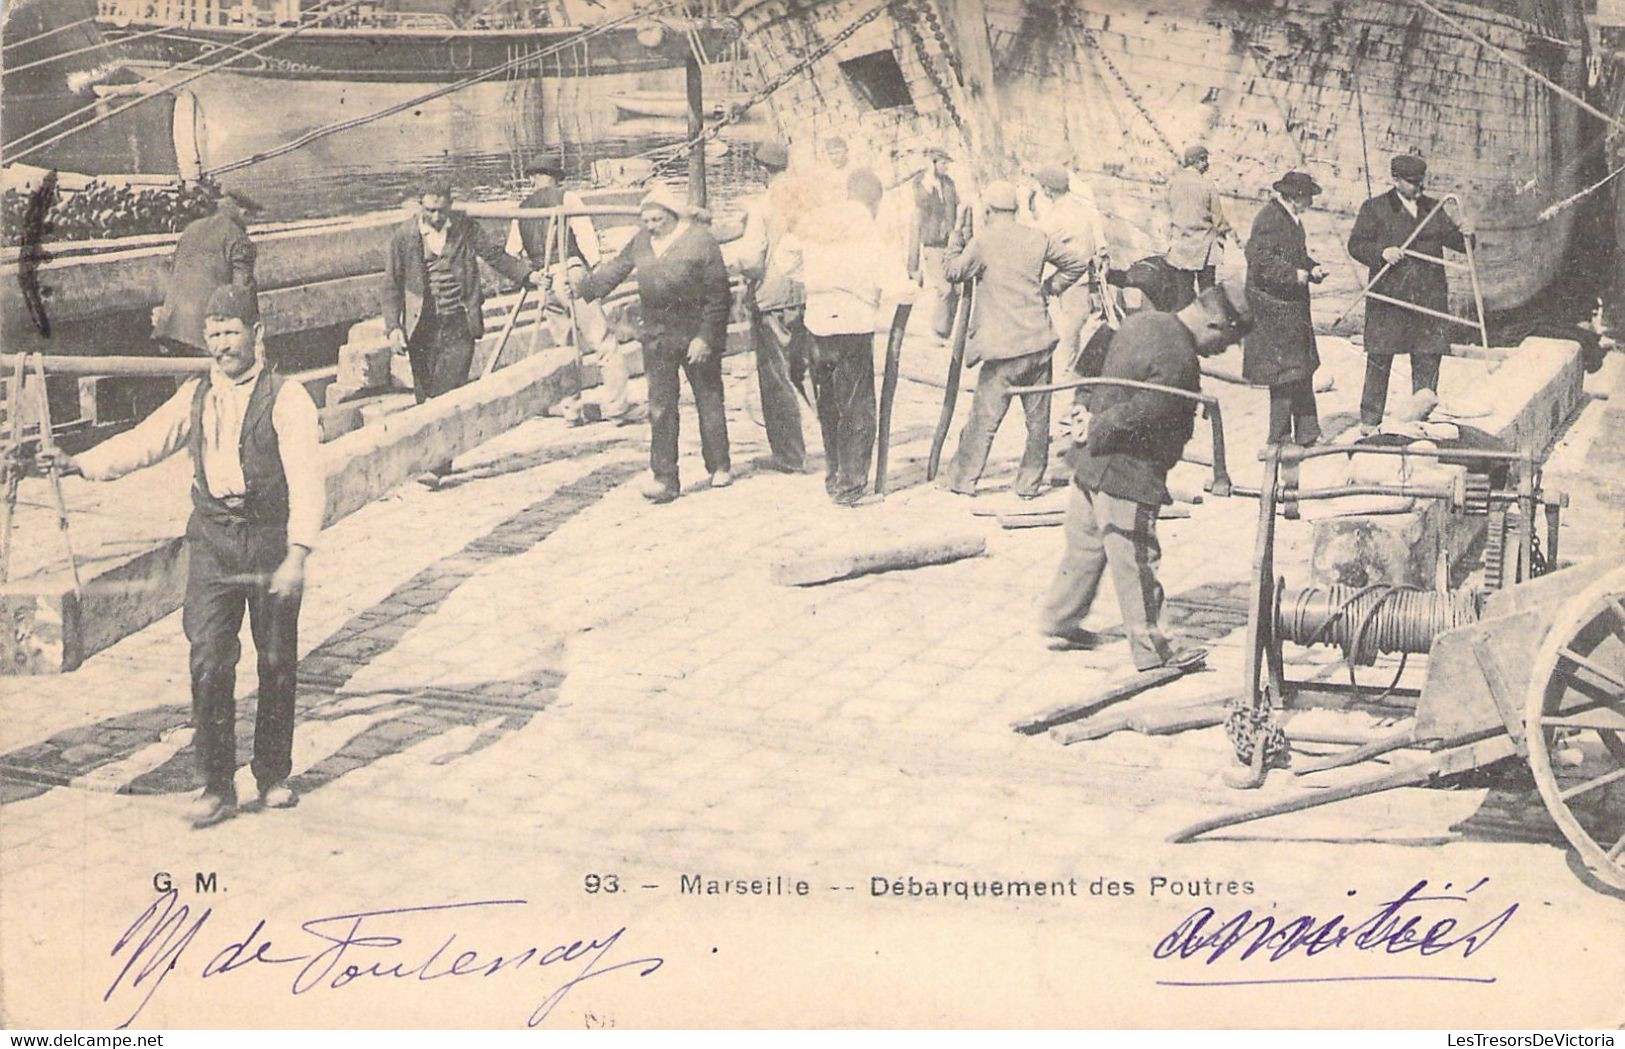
(910, 26)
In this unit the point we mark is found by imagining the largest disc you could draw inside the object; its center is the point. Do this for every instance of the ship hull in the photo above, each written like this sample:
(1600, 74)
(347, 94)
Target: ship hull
(404, 56)
(1116, 91)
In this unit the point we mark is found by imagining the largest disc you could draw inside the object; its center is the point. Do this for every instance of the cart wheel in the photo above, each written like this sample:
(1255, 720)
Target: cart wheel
(1574, 719)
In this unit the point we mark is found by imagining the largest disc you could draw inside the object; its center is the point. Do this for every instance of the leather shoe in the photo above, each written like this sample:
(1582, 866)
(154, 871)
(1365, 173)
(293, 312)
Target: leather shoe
(1188, 658)
(721, 479)
(1072, 640)
(210, 809)
(656, 491)
(279, 796)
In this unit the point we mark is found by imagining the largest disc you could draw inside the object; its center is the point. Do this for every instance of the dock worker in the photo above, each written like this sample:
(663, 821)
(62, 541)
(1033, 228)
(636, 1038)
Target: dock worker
(1279, 351)
(935, 214)
(257, 504)
(783, 347)
(849, 267)
(434, 307)
(1073, 222)
(546, 191)
(683, 289)
(1382, 225)
(211, 251)
(1010, 334)
(1197, 227)
(1120, 470)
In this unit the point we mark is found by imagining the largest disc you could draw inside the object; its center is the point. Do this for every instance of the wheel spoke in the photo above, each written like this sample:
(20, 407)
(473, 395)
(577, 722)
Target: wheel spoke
(1618, 850)
(1597, 716)
(1614, 682)
(1618, 609)
(1592, 784)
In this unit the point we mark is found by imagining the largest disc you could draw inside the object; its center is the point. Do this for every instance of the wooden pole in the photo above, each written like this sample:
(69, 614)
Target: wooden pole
(696, 126)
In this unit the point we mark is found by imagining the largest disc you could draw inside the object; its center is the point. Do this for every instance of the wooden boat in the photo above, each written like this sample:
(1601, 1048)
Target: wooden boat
(1116, 90)
(672, 105)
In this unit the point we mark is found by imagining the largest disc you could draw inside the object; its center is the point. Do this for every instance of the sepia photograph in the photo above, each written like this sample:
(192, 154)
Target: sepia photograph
(422, 610)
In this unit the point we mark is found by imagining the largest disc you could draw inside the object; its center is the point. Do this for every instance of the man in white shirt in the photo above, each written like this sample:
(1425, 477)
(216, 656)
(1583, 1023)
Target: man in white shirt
(258, 497)
(847, 269)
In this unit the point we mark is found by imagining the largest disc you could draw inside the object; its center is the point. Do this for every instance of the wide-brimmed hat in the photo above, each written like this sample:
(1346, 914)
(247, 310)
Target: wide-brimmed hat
(666, 198)
(1053, 177)
(1296, 184)
(1409, 167)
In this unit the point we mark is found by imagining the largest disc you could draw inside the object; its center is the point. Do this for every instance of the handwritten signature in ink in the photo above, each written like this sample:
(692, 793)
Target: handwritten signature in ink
(1413, 923)
(345, 950)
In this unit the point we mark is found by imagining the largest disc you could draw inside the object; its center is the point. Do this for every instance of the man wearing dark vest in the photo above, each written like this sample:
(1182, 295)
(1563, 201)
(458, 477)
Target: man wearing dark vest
(258, 498)
(434, 308)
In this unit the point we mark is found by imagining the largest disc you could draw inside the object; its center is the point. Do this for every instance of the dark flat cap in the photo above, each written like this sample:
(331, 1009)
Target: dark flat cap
(1195, 154)
(1409, 167)
(1296, 184)
(234, 300)
(546, 167)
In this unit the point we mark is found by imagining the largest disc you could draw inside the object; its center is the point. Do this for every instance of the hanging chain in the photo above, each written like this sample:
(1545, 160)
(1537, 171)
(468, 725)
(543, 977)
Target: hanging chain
(1122, 82)
(738, 112)
(929, 15)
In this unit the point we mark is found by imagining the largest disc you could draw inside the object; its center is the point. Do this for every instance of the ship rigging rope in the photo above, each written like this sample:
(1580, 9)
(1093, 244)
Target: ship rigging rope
(1512, 60)
(59, 56)
(1570, 201)
(49, 32)
(344, 125)
(198, 75)
(736, 113)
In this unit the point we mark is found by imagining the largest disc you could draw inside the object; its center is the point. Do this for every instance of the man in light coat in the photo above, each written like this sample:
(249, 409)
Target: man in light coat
(1196, 225)
(1073, 223)
(1010, 334)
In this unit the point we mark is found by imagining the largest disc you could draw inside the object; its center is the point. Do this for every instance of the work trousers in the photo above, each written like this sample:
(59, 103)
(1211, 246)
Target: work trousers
(1190, 283)
(987, 412)
(440, 350)
(664, 358)
(1293, 416)
(229, 563)
(1374, 398)
(782, 351)
(1105, 531)
(942, 295)
(844, 382)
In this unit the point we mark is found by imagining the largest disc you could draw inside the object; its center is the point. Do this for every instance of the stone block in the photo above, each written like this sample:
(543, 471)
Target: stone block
(1531, 394)
(364, 365)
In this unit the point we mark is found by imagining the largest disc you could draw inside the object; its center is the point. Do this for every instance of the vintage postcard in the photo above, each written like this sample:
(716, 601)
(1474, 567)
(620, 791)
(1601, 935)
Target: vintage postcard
(813, 513)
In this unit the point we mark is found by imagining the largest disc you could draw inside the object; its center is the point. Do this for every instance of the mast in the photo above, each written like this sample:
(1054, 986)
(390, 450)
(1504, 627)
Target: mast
(967, 26)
